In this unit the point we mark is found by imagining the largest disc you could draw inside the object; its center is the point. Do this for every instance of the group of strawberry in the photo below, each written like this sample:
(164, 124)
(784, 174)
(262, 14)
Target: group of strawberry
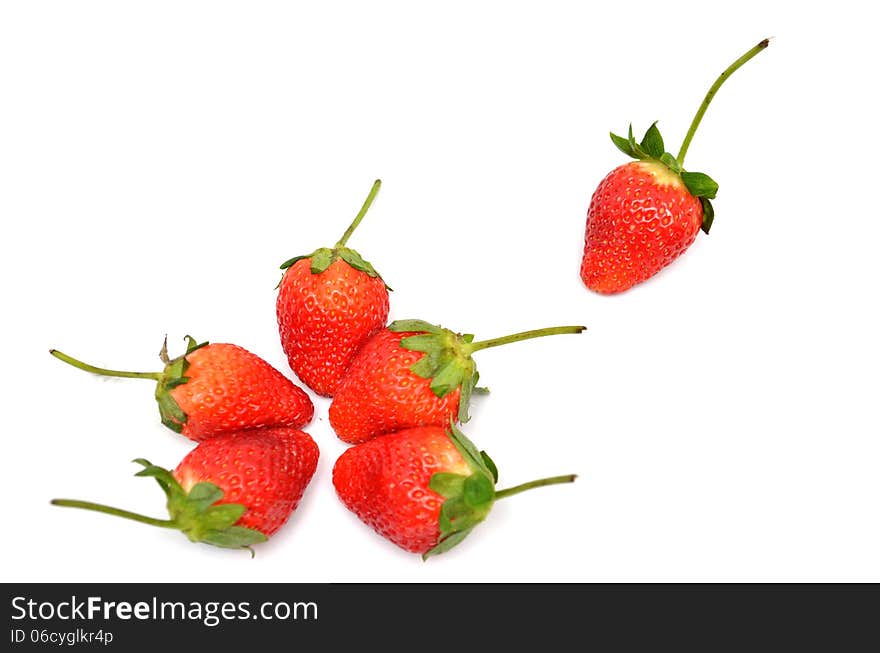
(398, 391)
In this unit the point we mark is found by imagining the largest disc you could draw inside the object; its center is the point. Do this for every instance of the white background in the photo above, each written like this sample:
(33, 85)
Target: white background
(159, 161)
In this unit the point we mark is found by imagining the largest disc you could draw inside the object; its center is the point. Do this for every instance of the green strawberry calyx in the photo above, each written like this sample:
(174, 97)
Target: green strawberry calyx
(199, 514)
(468, 499)
(651, 148)
(323, 257)
(447, 360)
(173, 375)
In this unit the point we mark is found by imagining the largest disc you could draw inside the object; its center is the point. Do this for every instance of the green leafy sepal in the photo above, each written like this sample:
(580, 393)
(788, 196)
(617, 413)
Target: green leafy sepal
(447, 361)
(322, 258)
(172, 376)
(467, 498)
(198, 514)
(651, 148)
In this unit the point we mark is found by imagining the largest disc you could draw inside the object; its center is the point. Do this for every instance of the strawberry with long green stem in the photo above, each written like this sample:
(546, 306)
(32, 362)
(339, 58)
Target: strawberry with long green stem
(215, 388)
(231, 491)
(329, 302)
(646, 213)
(413, 373)
(423, 488)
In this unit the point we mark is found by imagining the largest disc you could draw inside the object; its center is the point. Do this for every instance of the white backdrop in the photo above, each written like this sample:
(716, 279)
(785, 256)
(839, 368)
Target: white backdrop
(158, 161)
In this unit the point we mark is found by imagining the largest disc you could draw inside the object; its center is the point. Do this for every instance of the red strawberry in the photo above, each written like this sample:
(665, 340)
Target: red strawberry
(423, 488)
(645, 214)
(233, 490)
(217, 388)
(412, 374)
(329, 303)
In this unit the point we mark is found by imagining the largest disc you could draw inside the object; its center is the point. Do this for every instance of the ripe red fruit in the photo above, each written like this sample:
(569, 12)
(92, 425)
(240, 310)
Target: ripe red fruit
(232, 491)
(329, 303)
(412, 374)
(645, 214)
(423, 488)
(217, 388)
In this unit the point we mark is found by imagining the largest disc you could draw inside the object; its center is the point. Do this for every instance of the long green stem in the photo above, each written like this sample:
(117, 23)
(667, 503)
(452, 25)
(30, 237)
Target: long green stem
(108, 510)
(155, 376)
(525, 335)
(711, 94)
(541, 482)
(360, 216)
